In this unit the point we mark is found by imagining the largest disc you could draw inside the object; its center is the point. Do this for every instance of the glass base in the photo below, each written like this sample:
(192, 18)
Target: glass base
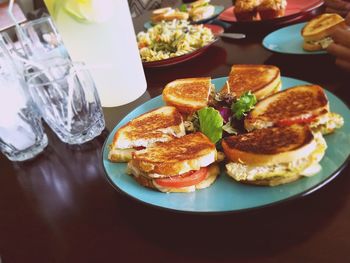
(30, 153)
(85, 136)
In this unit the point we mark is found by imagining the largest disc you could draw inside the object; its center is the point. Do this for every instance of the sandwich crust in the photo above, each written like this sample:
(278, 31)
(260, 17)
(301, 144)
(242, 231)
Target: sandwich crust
(175, 157)
(261, 80)
(169, 15)
(299, 102)
(161, 124)
(188, 95)
(270, 146)
(316, 32)
(321, 26)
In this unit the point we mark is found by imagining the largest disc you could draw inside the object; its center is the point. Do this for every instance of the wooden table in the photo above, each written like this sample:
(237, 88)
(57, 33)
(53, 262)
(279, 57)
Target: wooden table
(60, 207)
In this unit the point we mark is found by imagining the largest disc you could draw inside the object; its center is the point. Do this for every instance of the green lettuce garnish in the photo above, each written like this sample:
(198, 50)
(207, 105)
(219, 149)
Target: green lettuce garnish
(243, 104)
(183, 8)
(210, 123)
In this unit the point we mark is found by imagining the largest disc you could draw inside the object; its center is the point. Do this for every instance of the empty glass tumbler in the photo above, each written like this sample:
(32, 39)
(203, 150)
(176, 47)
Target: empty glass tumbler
(69, 104)
(21, 132)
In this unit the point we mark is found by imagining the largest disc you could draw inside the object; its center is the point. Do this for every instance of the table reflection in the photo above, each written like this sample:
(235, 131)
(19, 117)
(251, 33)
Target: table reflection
(49, 180)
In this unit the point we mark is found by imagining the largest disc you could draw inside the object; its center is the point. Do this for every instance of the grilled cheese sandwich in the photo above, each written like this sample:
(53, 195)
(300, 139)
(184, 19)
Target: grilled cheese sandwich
(274, 156)
(304, 104)
(158, 125)
(180, 165)
(261, 80)
(316, 32)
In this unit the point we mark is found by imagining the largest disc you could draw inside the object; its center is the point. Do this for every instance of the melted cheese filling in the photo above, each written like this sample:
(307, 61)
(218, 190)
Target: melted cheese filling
(327, 123)
(120, 155)
(324, 43)
(240, 171)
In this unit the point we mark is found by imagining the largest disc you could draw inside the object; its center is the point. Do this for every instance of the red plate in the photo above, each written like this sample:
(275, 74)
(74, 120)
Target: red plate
(294, 8)
(175, 60)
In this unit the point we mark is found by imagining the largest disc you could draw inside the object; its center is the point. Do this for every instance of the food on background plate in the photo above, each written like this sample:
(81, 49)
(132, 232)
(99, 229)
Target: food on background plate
(168, 14)
(305, 104)
(171, 39)
(201, 9)
(246, 10)
(158, 125)
(252, 10)
(180, 165)
(274, 156)
(261, 80)
(188, 95)
(269, 9)
(316, 32)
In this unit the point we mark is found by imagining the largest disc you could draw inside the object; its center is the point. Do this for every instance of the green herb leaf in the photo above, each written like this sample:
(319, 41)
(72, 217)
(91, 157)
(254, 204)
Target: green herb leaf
(183, 8)
(211, 122)
(243, 104)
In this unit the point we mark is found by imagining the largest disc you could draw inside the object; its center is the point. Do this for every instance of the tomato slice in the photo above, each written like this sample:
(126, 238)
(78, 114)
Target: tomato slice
(301, 120)
(138, 148)
(183, 180)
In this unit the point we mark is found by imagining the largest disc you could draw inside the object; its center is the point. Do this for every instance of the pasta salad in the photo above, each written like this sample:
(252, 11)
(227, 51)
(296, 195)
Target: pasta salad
(172, 39)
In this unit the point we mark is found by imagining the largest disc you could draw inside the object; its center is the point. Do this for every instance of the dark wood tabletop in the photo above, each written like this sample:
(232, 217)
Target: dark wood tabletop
(59, 207)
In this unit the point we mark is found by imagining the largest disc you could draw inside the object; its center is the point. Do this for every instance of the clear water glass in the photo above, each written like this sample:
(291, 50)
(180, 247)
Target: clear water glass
(66, 97)
(21, 132)
(41, 42)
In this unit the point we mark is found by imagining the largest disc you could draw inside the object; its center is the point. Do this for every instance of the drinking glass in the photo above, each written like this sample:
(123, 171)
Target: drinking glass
(21, 132)
(41, 42)
(66, 97)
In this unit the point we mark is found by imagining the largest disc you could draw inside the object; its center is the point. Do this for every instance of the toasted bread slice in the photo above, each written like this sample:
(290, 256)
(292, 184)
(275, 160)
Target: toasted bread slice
(288, 106)
(270, 145)
(158, 125)
(175, 157)
(188, 95)
(274, 156)
(317, 31)
(169, 15)
(213, 172)
(261, 80)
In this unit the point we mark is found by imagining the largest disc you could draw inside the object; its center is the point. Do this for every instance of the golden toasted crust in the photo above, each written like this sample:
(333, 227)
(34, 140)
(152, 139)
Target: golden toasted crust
(321, 26)
(177, 156)
(213, 173)
(302, 101)
(161, 124)
(188, 95)
(270, 145)
(262, 80)
(169, 16)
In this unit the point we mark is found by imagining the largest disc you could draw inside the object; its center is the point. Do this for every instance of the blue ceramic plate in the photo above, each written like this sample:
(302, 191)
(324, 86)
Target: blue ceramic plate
(288, 40)
(226, 195)
(218, 10)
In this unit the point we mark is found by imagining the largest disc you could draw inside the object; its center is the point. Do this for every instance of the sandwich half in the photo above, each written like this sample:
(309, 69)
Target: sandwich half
(304, 104)
(201, 9)
(261, 80)
(168, 14)
(316, 32)
(188, 95)
(158, 125)
(274, 156)
(180, 165)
